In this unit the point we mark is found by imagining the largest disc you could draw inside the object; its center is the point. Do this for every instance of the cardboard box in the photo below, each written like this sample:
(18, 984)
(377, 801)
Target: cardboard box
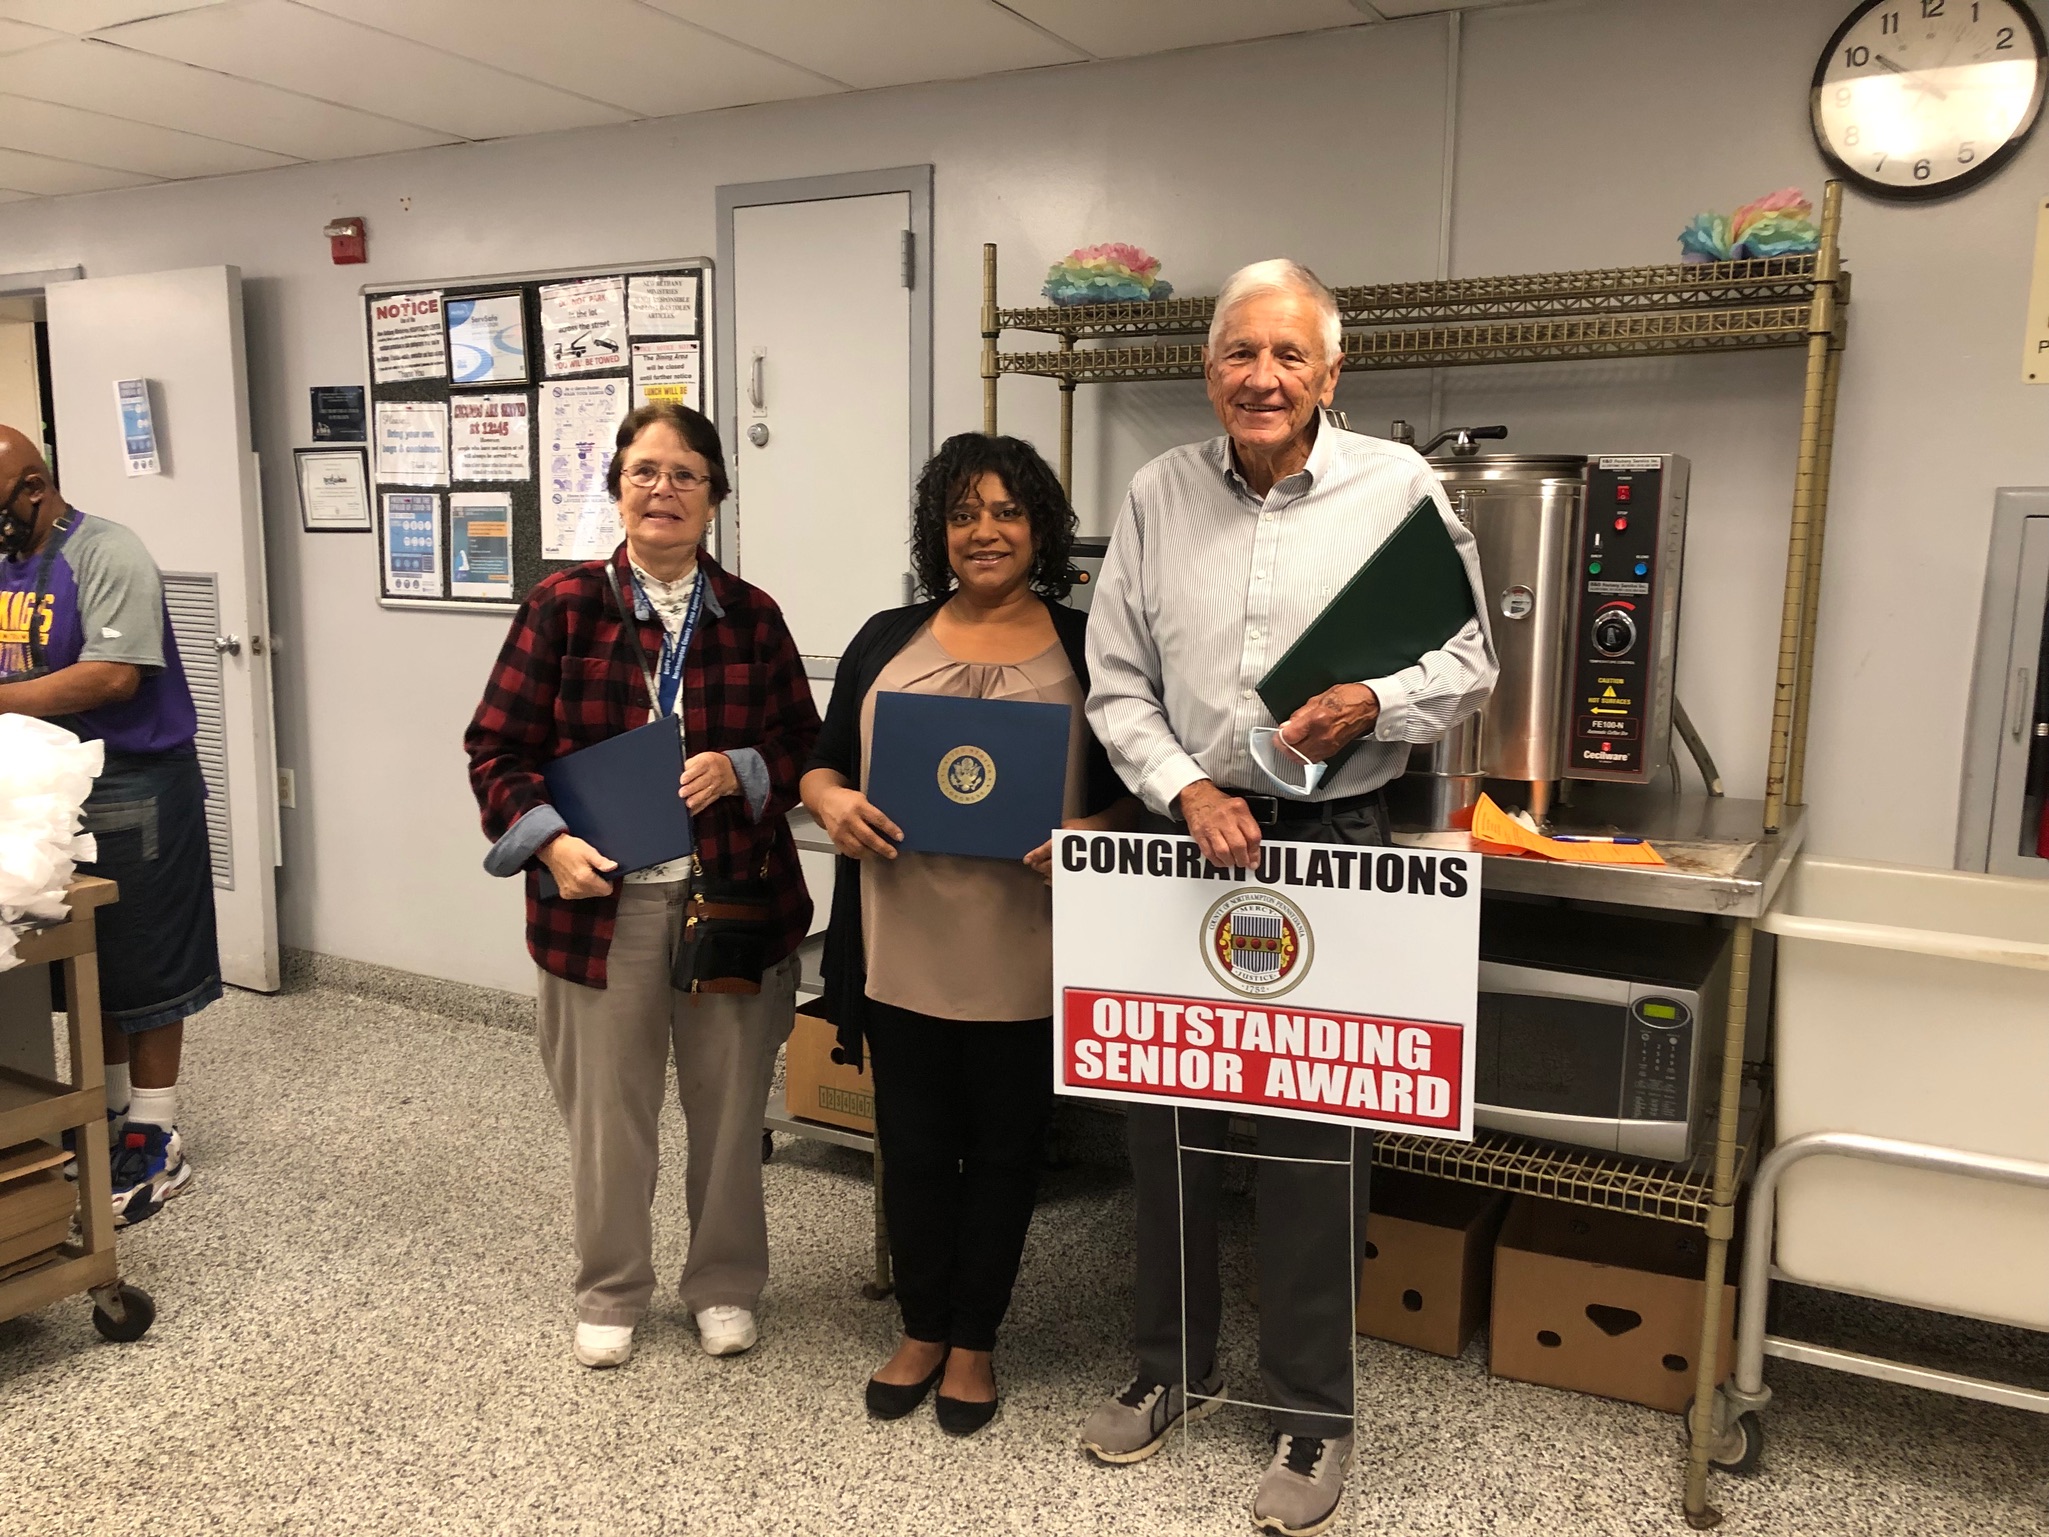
(1602, 1303)
(1429, 1259)
(32, 1210)
(818, 1088)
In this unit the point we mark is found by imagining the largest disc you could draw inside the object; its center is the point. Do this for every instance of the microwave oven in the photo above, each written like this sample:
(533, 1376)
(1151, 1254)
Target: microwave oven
(1595, 1029)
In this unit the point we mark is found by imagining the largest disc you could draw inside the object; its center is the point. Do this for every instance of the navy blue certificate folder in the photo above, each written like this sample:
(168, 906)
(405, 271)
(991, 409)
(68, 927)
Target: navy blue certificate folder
(969, 776)
(620, 795)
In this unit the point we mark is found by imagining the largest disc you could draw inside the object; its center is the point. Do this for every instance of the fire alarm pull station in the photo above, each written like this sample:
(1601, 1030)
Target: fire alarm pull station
(347, 241)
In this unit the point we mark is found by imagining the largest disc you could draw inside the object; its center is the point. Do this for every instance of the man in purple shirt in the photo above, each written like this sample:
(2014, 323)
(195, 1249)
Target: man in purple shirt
(85, 642)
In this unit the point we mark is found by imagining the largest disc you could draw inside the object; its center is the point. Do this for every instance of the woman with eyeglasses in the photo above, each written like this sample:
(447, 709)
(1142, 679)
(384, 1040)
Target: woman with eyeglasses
(942, 965)
(601, 648)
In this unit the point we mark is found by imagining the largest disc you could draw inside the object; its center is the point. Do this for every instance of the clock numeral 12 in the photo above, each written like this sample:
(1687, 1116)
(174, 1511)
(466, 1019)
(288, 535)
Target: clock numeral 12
(1930, 9)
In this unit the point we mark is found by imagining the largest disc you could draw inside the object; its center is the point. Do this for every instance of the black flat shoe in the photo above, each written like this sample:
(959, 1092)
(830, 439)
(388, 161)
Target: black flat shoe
(962, 1417)
(894, 1400)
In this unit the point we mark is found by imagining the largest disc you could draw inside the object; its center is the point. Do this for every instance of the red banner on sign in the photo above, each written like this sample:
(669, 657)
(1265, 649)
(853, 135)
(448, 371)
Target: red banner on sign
(1143, 1045)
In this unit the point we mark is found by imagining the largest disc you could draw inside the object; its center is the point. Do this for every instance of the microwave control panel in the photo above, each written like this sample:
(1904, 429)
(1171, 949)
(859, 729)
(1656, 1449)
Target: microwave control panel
(1657, 1060)
(1626, 617)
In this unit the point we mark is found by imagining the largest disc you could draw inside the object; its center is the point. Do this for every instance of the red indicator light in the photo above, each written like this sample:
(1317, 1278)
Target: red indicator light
(1622, 493)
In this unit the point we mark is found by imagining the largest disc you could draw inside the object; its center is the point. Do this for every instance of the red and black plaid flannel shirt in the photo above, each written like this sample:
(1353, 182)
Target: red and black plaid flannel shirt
(567, 678)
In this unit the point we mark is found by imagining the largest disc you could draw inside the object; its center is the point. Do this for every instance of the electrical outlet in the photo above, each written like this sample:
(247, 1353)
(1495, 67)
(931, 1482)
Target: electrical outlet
(288, 789)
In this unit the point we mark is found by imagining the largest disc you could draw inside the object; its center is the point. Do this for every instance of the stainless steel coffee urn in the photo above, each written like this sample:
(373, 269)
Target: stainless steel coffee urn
(1580, 560)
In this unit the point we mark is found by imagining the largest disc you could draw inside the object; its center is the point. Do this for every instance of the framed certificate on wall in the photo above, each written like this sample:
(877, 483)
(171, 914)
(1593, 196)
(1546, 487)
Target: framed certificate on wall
(334, 490)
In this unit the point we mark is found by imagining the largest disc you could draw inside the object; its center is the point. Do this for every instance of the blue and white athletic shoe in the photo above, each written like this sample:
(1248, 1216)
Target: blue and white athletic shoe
(117, 1122)
(149, 1169)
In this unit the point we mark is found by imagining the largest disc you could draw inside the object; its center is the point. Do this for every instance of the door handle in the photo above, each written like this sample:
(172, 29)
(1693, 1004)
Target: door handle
(2022, 702)
(754, 392)
(228, 645)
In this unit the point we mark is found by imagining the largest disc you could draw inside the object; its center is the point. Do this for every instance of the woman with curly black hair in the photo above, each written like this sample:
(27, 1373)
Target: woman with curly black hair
(942, 964)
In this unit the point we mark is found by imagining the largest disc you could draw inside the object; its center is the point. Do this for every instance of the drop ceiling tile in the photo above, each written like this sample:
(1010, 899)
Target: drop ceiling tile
(322, 56)
(166, 94)
(1133, 27)
(47, 176)
(880, 42)
(82, 16)
(618, 51)
(1395, 9)
(46, 128)
(15, 36)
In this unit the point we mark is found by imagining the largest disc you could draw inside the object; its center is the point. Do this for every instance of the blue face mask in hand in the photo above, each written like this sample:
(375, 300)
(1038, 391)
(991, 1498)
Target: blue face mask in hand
(1286, 769)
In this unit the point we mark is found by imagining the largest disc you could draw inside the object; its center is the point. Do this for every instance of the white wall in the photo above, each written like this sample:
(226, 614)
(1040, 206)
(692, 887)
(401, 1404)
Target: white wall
(1589, 132)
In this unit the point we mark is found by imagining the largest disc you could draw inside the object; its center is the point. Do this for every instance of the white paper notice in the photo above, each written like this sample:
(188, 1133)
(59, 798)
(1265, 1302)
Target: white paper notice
(662, 306)
(412, 544)
(487, 339)
(666, 372)
(406, 338)
(491, 438)
(480, 545)
(578, 421)
(412, 443)
(583, 325)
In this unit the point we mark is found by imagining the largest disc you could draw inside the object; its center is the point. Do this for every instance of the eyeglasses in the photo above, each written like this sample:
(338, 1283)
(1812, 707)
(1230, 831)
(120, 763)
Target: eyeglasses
(648, 476)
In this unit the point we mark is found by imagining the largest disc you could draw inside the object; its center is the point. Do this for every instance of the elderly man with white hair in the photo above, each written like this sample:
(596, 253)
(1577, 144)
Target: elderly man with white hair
(1224, 553)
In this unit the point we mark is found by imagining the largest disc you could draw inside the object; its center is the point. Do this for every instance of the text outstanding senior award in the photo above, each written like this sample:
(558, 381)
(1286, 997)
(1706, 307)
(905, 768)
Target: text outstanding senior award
(1337, 982)
(984, 777)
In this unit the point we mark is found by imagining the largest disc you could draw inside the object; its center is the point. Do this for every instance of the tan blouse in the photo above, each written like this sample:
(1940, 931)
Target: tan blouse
(948, 935)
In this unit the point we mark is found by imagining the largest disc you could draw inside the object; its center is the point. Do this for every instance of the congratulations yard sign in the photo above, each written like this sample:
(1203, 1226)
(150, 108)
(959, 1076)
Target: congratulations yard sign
(1334, 983)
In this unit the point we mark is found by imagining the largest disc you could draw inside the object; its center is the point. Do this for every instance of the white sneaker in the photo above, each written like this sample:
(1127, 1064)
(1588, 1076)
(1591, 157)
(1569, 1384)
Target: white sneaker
(725, 1331)
(604, 1344)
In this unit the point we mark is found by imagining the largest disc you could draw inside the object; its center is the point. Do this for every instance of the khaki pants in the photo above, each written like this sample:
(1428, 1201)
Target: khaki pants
(606, 1052)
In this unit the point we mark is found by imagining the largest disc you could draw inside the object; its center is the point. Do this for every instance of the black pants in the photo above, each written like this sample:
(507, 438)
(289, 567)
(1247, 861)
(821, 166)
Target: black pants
(961, 1110)
(1309, 1252)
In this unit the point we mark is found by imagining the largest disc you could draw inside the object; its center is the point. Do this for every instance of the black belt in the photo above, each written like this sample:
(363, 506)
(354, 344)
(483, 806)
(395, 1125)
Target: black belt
(1276, 811)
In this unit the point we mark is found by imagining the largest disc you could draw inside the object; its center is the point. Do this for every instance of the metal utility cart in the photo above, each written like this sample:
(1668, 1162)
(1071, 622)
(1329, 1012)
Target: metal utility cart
(32, 1109)
(1727, 857)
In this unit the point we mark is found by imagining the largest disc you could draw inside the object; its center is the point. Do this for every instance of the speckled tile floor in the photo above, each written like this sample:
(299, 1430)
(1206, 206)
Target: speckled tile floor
(363, 1327)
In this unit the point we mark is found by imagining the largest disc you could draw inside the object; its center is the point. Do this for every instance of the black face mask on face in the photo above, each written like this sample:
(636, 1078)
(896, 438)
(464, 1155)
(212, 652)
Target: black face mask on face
(16, 532)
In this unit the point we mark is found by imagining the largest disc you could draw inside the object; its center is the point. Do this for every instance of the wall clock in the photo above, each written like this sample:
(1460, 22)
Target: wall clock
(1923, 98)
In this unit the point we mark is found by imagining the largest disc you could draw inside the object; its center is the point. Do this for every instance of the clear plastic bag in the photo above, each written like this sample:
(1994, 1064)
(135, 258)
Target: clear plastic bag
(45, 775)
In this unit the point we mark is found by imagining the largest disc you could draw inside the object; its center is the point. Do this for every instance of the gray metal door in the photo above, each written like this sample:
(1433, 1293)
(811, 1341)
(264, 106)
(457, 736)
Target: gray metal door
(2020, 784)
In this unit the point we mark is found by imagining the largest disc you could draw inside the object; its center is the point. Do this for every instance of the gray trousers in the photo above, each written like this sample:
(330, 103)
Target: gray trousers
(1309, 1253)
(606, 1052)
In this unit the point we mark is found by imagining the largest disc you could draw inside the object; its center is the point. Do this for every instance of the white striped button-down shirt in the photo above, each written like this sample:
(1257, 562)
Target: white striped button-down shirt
(1207, 585)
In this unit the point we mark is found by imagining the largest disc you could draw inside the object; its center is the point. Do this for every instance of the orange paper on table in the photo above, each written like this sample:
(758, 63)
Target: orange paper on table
(1498, 830)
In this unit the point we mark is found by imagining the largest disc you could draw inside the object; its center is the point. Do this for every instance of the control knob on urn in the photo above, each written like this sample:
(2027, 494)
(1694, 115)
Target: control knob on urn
(1614, 632)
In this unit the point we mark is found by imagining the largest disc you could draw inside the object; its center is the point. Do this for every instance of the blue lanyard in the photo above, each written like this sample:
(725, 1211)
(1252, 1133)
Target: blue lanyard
(670, 677)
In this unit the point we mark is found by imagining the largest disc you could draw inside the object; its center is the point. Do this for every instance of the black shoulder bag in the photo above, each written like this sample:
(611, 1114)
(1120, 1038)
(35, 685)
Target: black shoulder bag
(728, 925)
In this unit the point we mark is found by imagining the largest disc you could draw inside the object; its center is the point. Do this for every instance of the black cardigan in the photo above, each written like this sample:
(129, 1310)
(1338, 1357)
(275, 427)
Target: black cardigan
(839, 749)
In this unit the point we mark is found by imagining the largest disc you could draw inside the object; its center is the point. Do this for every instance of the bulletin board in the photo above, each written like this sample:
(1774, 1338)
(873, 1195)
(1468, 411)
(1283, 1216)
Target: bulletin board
(493, 406)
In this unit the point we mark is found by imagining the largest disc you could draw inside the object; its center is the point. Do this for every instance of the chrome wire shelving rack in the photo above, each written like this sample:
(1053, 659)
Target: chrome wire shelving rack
(1614, 312)
(1553, 317)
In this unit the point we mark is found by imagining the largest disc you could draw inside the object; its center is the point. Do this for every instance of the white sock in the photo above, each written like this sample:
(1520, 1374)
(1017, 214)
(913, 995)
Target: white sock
(156, 1107)
(118, 1091)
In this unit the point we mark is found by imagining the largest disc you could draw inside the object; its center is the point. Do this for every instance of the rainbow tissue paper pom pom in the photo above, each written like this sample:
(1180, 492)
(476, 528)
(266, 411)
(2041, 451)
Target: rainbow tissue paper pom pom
(1106, 274)
(1779, 225)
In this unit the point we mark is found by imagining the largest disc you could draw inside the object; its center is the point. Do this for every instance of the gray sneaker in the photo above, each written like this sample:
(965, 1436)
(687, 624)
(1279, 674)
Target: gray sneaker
(1299, 1495)
(1134, 1424)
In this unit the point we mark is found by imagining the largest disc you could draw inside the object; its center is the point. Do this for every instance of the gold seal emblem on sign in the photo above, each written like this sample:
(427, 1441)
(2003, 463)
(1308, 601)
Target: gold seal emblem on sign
(966, 775)
(1257, 943)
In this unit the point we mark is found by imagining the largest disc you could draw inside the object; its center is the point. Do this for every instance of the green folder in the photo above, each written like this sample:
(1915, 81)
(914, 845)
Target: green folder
(1412, 596)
